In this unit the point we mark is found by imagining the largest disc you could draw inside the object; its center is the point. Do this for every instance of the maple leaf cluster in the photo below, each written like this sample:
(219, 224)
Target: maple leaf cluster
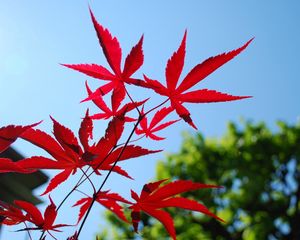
(69, 154)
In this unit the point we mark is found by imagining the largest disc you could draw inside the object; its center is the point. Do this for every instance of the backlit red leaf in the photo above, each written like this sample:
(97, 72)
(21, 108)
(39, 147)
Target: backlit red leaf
(92, 70)
(86, 131)
(153, 198)
(110, 46)
(7, 165)
(10, 133)
(176, 94)
(44, 141)
(175, 65)
(58, 179)
(34, 214)
(134, 60)
(207, 67)
(67, 139)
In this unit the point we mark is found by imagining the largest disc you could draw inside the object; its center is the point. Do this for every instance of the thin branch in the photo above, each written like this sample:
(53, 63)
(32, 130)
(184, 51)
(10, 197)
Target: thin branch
(131, 99)
(28, 231)
(108, 174)
(88, 178)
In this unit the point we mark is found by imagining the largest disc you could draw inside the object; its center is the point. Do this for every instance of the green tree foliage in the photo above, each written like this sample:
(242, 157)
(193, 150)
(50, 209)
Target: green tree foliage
(260, 172)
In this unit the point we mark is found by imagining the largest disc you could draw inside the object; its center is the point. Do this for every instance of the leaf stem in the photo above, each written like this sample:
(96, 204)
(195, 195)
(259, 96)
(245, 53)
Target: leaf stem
(136, 107)
(88, 178)
(159, 105)
(28, 231)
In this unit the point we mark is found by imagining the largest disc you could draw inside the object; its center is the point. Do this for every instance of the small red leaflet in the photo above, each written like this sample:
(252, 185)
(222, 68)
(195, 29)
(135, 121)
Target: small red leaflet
(8, 135)
(153, 198)
(13, 215)
(106, 199)
(178, 94)
(115, 104)
(150, 129)
(7, 165)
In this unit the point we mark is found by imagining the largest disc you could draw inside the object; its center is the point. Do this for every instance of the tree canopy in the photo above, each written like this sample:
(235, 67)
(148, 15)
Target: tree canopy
(260, 172)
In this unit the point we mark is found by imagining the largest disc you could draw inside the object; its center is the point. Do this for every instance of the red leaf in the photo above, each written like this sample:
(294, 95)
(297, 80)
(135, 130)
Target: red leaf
(150, 187)
(198, 73)
(207, 67)
(134, 60)
(86, 131)
(112, 196)
(11, 215)
(98, 116)
(208, 96)
(117, 97)
(132, 105)
(114, 207)
(34, 214)
(175, 65)
(110, 45)
(113, 54)
(188, 204)
(100, 91)
(131, 151)
(39, 162)
(10, 133)
(92, 70)
(160, 115)
(164, 125)
(183, 113)
(155, 137)
(112, 135)
(50, 215)
(98, 101)
(154, 197)
(177, 187)
(58, 179)
(67, 139)
(108, 200)
(163, 217)
(156, 86)
(116, 169)
(7, 165)
(44, 141)
(85, 202)
(157, 118)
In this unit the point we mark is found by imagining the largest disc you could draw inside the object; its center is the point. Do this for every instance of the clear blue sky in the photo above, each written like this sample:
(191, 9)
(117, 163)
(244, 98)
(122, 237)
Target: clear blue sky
(36, 36)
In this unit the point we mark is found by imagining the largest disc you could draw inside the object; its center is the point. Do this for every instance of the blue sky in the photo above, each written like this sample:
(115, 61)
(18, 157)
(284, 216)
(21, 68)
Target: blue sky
(35, 36)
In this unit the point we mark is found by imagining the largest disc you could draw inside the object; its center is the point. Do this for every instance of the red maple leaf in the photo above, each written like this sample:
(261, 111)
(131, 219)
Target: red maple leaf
(113, 54)
(8, 135)
(178, 95)
(106, 199)
(11, 215)
(153, 198)
(115, 110)
(14, 215)
(68, 155)
(7, 165)
(150, 129)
